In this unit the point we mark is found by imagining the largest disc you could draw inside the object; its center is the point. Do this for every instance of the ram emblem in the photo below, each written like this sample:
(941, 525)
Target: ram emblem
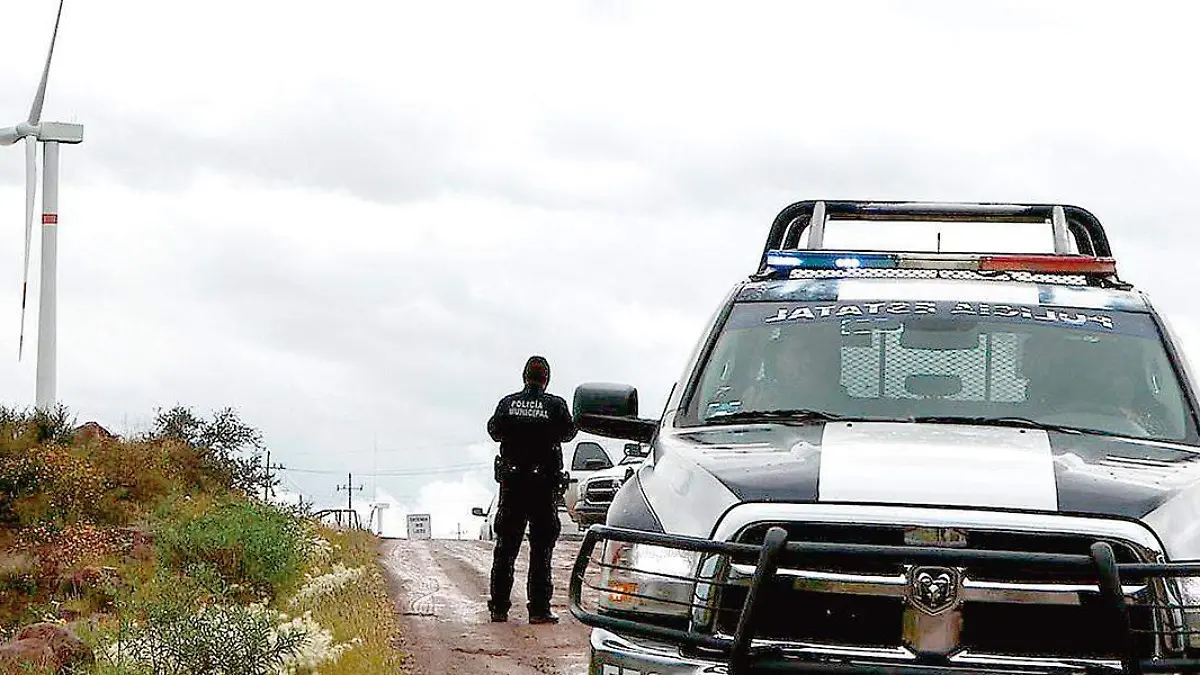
(933, 589)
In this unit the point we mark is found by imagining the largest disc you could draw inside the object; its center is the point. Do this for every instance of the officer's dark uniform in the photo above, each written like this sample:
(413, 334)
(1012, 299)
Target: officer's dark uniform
(530, 426)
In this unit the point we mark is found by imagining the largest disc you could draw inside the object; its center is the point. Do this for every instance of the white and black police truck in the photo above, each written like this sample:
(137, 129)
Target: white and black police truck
(908, 462)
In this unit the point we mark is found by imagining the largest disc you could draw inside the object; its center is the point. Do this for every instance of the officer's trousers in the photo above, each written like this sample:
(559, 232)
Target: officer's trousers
(525, 501)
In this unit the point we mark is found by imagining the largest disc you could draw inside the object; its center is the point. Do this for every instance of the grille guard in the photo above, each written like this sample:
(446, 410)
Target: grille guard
(742, 655)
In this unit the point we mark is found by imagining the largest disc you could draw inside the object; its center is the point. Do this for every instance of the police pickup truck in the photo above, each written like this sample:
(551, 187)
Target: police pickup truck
(908, 462)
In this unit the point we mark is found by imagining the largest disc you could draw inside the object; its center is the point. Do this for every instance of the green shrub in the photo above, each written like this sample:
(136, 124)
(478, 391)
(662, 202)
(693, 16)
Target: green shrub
(177, 636)
(248, 544)
(47, 474)
(54, 427)
(53, 484)
(224, 449)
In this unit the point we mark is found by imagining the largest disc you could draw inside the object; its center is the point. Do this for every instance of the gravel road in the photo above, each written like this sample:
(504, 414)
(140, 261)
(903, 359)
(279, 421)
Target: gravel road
(440, 589)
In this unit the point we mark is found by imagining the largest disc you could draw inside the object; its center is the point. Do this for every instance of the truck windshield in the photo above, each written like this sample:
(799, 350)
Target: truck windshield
(1092, 370)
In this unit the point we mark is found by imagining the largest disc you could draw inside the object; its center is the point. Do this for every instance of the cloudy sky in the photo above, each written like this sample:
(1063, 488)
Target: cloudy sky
(353, 226)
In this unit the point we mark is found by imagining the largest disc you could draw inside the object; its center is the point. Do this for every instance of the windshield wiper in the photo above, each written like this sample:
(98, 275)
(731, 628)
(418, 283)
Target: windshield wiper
(795, 415)
(1022, 422)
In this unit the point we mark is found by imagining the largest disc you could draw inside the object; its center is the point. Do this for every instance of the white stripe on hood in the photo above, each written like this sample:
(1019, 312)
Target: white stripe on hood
(937, 464)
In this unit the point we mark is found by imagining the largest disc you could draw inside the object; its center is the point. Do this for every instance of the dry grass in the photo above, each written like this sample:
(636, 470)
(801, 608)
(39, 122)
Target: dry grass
(359, 609)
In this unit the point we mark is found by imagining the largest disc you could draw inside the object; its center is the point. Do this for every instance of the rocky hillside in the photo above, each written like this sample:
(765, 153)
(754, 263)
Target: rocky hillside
(153, 555)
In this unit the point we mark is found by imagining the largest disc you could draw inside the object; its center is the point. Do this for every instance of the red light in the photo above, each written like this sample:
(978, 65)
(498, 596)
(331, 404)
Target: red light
(1048, 263)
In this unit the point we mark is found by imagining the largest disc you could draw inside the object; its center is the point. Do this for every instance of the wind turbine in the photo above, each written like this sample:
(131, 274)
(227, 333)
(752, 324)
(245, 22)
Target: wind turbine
(50, 134)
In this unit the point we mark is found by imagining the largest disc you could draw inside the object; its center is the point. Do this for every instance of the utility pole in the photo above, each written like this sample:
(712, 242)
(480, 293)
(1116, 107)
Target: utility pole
(349, 488)
(268, 467)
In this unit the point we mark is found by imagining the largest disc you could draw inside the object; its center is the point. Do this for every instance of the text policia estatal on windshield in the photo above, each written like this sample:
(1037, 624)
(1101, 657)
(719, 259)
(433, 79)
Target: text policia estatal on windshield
(807, 312)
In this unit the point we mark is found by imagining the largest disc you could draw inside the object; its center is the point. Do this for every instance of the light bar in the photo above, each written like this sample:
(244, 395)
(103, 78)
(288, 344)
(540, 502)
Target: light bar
(783, 261)
(1067, 264)
(830, 260)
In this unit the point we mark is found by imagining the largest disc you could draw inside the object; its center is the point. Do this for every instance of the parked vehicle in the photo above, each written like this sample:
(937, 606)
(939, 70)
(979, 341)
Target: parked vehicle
(909, 462)
(487, 529)
(588, 456)
(596, 492)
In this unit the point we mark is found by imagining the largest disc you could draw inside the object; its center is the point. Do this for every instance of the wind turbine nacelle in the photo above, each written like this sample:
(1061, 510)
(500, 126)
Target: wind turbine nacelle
(60, 132)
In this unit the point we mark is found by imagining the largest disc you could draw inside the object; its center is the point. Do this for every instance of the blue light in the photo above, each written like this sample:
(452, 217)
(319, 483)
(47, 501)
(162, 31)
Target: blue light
(830, 260)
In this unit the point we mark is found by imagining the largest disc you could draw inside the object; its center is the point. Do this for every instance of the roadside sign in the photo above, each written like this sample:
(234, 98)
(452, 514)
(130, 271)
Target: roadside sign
(419, 526)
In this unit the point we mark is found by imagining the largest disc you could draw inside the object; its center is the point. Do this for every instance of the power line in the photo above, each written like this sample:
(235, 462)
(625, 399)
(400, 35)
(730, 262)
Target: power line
(410, 448)
(446, 469)
(295, 487)
(401, 473)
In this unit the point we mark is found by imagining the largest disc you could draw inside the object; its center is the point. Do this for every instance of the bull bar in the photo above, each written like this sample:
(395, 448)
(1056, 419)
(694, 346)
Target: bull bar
(742, 655)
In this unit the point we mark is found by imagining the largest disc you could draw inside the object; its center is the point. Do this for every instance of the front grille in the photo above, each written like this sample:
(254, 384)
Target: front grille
(600, 491)
(826, 618)
(1029, 542)
(795, 614)
(1085, 631)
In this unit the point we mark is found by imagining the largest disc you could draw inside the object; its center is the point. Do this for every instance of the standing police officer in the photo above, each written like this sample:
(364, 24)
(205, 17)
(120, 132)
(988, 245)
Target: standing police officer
(530, 426)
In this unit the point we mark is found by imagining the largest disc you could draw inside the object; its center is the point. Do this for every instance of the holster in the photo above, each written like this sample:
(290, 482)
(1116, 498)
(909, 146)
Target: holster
(502, 469)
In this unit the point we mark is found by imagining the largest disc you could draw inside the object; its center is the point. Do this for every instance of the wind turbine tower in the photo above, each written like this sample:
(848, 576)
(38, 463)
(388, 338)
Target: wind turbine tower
(50, 135)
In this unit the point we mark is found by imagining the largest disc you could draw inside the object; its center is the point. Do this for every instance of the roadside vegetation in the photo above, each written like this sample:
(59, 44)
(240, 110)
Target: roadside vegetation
(157, 555)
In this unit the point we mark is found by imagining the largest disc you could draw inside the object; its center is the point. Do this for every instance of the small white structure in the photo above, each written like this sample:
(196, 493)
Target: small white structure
(376, 517)
(419, 526)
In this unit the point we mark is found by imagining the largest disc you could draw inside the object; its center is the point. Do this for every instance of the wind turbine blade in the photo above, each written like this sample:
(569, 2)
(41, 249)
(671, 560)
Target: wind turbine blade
(9, 135)
(35, 112)
(30, 205)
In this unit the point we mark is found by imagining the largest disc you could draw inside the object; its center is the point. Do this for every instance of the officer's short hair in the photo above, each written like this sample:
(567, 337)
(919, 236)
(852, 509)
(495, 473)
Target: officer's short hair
(537, 369)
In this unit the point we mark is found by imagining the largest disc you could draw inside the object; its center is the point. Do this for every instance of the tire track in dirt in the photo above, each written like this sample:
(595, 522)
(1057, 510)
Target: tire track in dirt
(440, 589)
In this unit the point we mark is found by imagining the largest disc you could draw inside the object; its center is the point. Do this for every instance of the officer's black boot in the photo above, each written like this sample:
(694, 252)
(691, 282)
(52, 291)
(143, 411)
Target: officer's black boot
(540, 587)
(501, 578)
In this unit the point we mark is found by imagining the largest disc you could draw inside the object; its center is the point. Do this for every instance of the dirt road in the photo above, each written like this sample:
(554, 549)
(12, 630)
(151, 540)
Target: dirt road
(440, 590)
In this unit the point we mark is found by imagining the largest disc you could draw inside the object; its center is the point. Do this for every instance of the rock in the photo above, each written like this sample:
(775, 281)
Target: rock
(89, 431)
(46, 646)
(21, 656)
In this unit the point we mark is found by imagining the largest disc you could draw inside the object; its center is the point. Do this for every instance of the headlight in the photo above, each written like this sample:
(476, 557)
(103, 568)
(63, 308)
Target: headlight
(1189, 597)
(648, 579)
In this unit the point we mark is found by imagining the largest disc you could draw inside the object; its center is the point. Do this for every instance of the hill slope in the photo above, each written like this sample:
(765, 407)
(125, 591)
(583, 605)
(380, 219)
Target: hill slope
(152, 554)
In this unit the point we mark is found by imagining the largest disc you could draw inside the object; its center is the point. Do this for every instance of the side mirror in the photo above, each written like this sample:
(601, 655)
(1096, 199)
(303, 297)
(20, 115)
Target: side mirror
(478, 511)
(617, 400)
(636, 450)
(610, 410)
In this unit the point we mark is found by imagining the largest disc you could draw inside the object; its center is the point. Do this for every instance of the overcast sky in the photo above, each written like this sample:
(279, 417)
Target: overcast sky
(354, 226)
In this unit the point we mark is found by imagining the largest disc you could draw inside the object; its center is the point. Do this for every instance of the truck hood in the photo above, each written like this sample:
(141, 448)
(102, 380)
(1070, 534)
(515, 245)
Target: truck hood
(943, 465)
(618, 472)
